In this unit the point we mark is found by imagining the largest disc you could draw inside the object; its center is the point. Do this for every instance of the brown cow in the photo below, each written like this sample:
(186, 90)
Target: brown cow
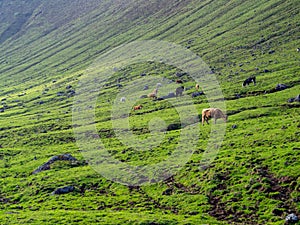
(212, 113)
(179, 91)
(137, 107)
(197, 86)
(153, 94)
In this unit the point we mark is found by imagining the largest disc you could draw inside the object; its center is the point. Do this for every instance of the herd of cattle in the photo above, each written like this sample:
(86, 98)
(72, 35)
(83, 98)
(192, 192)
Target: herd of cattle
(208, 113)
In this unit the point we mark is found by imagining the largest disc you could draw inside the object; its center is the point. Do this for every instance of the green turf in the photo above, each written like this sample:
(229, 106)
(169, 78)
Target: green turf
(254, 179)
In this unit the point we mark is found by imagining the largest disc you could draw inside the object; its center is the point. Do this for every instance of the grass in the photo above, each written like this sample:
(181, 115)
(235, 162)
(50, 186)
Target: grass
(254, 179)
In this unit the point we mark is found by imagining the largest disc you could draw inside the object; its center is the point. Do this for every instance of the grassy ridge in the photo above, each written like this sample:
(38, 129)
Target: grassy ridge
(253, 180)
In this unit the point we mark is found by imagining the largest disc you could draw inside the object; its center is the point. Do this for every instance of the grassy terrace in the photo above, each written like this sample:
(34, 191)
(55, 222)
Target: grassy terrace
(253, 180)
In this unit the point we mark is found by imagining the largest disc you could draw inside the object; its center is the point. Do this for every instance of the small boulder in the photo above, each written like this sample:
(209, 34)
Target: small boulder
(196, 94)
(47, 165)
(63, 190)
(291, 218)
(143, 96)
(280, 87)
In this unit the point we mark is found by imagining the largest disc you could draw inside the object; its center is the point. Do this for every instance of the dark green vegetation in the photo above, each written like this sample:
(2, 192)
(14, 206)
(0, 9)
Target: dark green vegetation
(46, 47)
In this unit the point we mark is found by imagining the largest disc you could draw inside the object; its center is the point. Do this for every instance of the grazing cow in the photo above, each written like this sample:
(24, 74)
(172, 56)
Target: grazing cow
(179, 91)
(137, 107)
(179, 81)
(197, 86)
(123, 99)
(298, 49)
(249, 80)
(153, 94)
(212, 113)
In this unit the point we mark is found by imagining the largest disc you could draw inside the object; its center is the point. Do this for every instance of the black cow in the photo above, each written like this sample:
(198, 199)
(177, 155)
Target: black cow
(249, 80)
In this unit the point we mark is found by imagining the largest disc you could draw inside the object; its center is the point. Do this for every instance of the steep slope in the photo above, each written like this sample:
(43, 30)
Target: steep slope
(45, 47)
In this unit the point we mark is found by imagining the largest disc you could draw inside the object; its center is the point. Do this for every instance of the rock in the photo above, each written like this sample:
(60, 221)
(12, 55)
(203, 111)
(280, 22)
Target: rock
(60, 93)
(170, 95)
(290, 100)
(297, 99)
(63, 190)
(46, 166)
(291, 218)
(174, 126)
(167, 192)
(143, 96)
(146, 87)
(178, 74)
(280, 87)
(271, 51)
(188, 88)
(196, 94)
(234, 126)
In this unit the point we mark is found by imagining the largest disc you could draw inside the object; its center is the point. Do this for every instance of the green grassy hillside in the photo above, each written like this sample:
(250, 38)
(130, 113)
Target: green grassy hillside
(48, 48)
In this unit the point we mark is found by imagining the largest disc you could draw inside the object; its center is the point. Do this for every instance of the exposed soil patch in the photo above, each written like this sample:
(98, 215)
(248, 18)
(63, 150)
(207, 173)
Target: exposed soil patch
(272, 187)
